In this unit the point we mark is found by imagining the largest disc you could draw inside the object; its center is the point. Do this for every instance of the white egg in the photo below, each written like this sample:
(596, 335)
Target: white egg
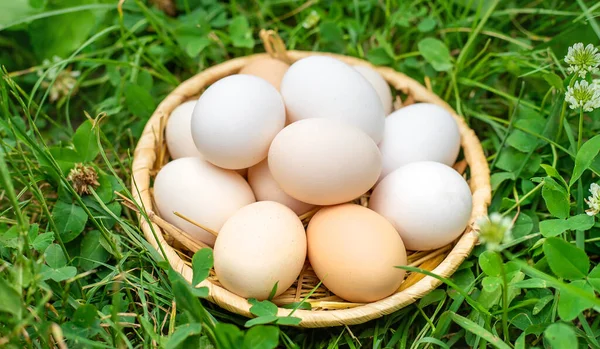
(427, 202)
(380, 85)
(324, 87)
(419, 132)
(202, 192)
(236, 119)
(265, 188)
(178, 133)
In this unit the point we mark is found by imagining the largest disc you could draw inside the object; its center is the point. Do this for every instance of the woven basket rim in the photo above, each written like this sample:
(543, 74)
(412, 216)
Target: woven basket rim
(145, 157)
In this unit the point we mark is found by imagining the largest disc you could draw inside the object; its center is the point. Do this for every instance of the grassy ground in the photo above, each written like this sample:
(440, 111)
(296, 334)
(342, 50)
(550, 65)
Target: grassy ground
(76, 272)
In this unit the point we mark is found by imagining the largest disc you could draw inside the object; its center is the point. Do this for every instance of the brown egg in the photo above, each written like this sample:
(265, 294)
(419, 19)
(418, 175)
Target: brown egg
(354, 251)
(270, 69)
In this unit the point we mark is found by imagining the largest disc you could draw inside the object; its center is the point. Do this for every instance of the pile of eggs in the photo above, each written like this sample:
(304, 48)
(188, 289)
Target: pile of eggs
(260, 148)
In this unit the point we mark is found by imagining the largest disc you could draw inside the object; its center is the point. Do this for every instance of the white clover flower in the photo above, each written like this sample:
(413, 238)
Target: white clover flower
(52, 71)
(583, 95)
(594, 200)
(64, 80)
(495, 230)
(582, 60)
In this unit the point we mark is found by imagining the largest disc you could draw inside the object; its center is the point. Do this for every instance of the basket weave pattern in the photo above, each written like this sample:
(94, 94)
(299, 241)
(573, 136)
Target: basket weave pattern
(327, 309)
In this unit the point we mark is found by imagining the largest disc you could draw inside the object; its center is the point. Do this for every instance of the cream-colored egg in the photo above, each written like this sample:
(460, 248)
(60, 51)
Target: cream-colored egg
(266, 189)
(324, 161)
(261, 245)
(178, 133)
(202, 192)
(428, 203)
(270, 69)
(355, 252)
(324, 87)
(380, 85)
(235, 121)
(419, 132)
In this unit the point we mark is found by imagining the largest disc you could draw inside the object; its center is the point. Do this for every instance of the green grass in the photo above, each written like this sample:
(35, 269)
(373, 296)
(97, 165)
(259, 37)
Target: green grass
(77, 272)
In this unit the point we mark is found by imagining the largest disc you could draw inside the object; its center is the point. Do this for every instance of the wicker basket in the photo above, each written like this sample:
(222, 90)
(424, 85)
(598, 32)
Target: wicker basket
(327, 309)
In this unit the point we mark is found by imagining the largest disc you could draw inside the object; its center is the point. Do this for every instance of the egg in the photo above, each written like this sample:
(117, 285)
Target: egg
(270, 69)
(236, 119)
(260, 246)
(324, 161)
(380, 85)
(324, 87)
(428, 203)
(355, 252)
(178, 134)
(200, 191)
(265, 188)
(419, 132)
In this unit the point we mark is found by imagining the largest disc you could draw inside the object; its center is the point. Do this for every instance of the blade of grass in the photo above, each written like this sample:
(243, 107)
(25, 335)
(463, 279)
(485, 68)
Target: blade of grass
(479, 331)
(448, 282)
